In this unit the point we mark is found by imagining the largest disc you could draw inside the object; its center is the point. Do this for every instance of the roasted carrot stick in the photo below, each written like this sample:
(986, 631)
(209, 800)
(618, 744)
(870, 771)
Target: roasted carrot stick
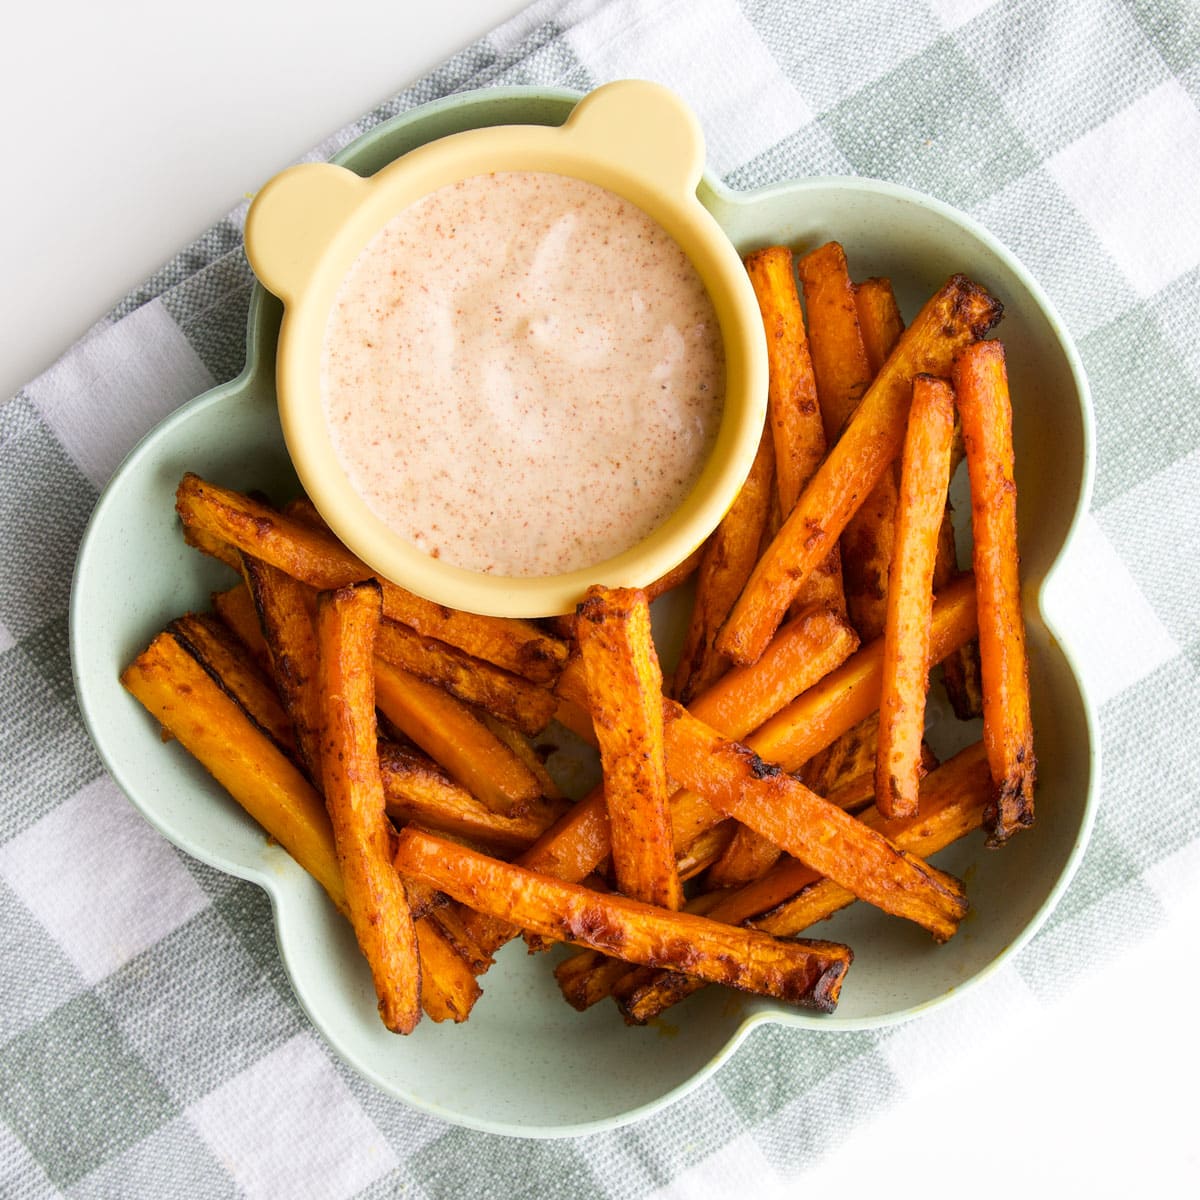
(287, 628)
(924, 478)
(981, 386)
(793, 413)
(835, 341)
(867, 540)
(952, 803)
(956, 315)
(211, 643)
(879, 320)
(347, 620)
(801, 973)
(316, 557)
(737, 782)
(624, 686)
(806, 649)
(450, 733)
(729, 556)
(212, 726)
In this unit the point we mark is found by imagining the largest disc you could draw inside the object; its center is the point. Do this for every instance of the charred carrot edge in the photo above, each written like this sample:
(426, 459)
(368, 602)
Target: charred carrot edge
(451, 734)
(282, 604)
(835, 341)
(801, 973)
(955, 316)
(952, 803)
(729, 557)
(624, 686)
(347, 620)
(851, 693)
(866, 542)
(216, 648)
(981, 386)
(236, 609)
(314, 556)
(924, 480)
(210, 724)
(879, 321)
(510, 697)
(738, 783)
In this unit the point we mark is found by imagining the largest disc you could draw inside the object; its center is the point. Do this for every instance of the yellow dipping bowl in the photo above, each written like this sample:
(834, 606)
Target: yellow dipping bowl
(308, 225)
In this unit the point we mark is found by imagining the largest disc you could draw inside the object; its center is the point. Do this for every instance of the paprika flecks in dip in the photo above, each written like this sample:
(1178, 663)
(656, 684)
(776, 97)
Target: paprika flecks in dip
(523, 374)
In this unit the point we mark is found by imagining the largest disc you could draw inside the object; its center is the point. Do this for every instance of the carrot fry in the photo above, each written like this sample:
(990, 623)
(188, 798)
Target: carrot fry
(851, 693)
(729, 557)
(924, 478)
(417, 789)
(624, 686)
(218, 650)
(282, 604)
(793, 413)
(866, 541)
(958, 314)
(737, 782)
(801, 973)
(981, 385)
(346, 623)
(236, 608)
(210, 724)
(839, 358)
(801, 653)
(314, 556)
(952, 803)
(879, 320)
(452, 735)
(510, 697)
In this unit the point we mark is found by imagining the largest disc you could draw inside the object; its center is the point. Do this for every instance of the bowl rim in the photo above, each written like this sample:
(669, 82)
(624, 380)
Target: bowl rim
(260, 333)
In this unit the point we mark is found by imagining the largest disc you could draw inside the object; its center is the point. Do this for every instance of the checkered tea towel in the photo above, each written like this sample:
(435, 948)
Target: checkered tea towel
(154, 1049)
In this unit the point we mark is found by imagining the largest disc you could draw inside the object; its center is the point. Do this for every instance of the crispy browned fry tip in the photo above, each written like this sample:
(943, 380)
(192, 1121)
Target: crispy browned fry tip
(347, 621)
(981, 387)
(956, 315)
(624, 686)
(924, 479)
(310, 553)
(808, 973)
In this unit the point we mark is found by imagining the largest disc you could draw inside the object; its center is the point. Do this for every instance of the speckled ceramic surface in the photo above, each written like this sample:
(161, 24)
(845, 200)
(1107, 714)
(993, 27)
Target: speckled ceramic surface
(525, 1063)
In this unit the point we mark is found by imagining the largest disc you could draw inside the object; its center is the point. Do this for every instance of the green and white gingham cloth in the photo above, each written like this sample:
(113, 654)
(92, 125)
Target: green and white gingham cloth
(149, 1042)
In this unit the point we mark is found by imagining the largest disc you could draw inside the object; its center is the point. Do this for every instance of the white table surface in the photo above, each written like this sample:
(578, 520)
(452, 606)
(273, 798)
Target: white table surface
(130, 127)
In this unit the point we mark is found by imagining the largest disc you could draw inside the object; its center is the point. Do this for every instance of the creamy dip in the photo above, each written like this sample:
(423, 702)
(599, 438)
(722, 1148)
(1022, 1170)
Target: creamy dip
(523, 374)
